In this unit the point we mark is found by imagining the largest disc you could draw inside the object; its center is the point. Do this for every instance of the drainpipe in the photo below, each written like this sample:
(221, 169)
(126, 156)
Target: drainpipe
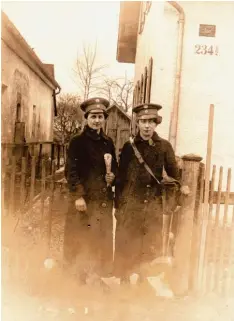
(176, 100)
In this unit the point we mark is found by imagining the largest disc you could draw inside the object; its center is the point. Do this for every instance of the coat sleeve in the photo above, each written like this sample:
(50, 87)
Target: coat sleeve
(170, 162)
(72, 169)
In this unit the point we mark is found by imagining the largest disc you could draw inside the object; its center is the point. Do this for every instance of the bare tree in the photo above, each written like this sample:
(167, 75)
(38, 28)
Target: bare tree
(118, 91)
(87, 72)
(92, 80)
(69, 117)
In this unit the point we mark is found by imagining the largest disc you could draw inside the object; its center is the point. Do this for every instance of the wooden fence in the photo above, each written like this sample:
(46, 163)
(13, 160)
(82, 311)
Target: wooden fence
(33, 212)
(216, 261)
(27, 182)
(204, 248)
(48, 150)
(204, 251)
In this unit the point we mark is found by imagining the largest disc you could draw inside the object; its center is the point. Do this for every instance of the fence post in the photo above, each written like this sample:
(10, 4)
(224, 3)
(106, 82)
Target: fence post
(52, 157)
(12, 186)
(183, 248)
(58, 155)
(51, 202)
(197, 227)
(38, 170)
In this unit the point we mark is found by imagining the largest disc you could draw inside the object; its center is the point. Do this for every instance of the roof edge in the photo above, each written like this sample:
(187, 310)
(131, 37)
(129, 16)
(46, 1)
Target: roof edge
(128, 31)
(10, 27)
(120, 109)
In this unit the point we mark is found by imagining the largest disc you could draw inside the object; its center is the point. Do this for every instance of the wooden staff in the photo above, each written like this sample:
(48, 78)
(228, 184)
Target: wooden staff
(206, 195)
(108, 159)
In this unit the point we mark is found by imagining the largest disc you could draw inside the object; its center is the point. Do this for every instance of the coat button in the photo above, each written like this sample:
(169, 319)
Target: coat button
(145, 201)
(103, 204)
(104, 190)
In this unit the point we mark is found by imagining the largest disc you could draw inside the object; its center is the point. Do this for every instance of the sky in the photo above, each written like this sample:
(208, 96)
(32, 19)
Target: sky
(58, 30)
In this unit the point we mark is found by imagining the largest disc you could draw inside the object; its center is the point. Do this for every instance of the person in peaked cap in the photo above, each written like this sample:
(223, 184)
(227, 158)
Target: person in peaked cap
(88, 230)
(148, 111)
(138, 198)
(95, 106)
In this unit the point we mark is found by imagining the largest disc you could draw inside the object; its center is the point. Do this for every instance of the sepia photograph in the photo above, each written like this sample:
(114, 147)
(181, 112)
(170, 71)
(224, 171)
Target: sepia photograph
(117, 160)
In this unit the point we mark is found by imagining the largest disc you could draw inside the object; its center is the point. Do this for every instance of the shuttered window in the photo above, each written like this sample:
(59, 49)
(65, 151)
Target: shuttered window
(142, 91)
(142, 88)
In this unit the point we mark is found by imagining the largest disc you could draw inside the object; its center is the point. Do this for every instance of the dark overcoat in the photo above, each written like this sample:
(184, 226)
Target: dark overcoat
(139, 203)
(88, 236)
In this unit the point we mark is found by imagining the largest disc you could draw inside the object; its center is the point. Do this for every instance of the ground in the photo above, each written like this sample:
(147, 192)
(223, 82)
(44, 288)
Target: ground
(35, 288)
(17, 305)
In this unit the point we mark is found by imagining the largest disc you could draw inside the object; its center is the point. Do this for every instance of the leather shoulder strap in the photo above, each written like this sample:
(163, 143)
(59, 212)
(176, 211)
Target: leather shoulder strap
(141, 160)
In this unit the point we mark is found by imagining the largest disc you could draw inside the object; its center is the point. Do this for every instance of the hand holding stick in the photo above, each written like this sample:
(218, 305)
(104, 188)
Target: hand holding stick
(109, 175)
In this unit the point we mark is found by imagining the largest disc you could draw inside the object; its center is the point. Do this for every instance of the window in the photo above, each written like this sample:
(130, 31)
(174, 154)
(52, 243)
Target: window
(142, 91)
(142, 88)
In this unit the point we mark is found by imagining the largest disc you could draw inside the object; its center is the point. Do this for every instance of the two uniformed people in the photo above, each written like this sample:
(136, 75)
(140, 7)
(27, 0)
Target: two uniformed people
(139, 211)
(138, 197)
(88, 228)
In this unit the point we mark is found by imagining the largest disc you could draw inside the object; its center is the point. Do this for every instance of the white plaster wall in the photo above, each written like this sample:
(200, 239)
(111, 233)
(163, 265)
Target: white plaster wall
(158, 41)
(205, 79)
(18, 77)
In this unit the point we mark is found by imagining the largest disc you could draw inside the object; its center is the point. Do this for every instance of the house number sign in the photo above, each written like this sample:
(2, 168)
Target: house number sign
(206, 50)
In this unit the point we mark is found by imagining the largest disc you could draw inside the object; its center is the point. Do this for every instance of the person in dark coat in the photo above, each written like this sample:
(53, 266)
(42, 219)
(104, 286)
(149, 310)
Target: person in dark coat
(88, 240)
(138, 202)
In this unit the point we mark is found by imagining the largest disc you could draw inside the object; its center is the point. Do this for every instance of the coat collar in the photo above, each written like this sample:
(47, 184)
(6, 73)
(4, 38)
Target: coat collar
(93, 133)
(155, 138)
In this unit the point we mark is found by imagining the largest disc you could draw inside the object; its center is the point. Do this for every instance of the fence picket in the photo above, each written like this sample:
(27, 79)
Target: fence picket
(22, 185)
(225, 234)
(43, 187)
(229, 277)
(39, 160)
(197, 231)
(207, 264)
(52, 156)
(217, 233)
(12, 186)
(51, 201)
(32, 183)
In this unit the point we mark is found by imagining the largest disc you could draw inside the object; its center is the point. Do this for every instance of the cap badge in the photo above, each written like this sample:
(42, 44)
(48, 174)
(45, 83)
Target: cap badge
(146, 111)
(97, 100)
(98, 106)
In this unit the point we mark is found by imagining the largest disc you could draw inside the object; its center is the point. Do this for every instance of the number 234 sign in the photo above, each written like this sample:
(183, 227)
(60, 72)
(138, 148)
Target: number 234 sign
(206, 50)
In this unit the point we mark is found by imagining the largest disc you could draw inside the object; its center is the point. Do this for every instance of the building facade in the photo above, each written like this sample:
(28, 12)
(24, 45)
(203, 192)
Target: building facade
(28, 90)
(183, 55)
